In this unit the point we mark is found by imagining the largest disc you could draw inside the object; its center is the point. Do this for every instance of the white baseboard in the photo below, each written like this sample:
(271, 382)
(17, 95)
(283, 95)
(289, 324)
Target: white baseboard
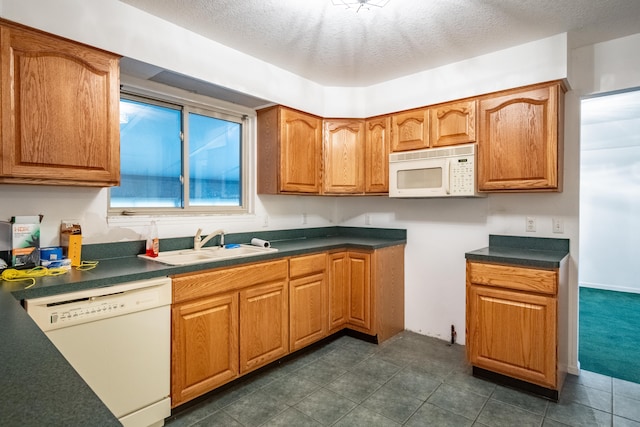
(609, 287)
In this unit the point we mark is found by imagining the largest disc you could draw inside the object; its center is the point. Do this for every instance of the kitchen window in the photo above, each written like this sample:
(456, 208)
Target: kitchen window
(176, 157)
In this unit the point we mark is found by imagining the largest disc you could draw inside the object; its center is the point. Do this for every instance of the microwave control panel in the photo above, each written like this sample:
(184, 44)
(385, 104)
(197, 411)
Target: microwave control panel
(462, 177)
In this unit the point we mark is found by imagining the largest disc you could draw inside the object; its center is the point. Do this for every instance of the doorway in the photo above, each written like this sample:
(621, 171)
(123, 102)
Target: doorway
(609, 297)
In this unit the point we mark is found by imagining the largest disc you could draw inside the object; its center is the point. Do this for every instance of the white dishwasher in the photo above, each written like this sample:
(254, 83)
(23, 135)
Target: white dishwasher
(118, 339)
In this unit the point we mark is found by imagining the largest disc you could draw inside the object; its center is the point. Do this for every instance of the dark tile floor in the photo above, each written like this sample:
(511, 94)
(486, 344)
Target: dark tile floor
(410, 380)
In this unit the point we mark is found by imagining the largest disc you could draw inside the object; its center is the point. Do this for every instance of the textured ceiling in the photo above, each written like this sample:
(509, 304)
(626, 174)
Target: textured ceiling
(338, 47)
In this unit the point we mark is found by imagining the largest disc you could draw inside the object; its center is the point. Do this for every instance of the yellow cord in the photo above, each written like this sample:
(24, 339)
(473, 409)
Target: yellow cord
(87, 265)
(13, 275)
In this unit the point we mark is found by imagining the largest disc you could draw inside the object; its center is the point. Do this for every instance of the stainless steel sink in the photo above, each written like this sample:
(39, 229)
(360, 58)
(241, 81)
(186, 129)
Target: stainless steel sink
(215, 253)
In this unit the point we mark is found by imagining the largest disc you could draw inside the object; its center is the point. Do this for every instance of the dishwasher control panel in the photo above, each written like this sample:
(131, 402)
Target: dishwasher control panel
(60, 311)
(86, 312)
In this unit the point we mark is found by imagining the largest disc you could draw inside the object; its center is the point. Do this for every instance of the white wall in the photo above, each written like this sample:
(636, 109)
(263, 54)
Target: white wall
(439, 231)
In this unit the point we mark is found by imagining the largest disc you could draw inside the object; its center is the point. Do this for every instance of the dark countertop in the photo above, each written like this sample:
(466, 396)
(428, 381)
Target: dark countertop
(535, 252)
(38, 386)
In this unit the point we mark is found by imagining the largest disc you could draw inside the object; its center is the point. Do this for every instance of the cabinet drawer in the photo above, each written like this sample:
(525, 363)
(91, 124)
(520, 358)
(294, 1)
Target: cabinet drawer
(188, 286)
(306, 265)
(519, 278)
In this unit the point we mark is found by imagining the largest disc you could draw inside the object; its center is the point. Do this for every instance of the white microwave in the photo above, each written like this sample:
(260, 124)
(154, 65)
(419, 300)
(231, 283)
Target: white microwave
(434, 172)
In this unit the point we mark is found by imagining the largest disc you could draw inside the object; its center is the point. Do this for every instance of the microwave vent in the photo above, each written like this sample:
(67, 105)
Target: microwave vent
(434, 153)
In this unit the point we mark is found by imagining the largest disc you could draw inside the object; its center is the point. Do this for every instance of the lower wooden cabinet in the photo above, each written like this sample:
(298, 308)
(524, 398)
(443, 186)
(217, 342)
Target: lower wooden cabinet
(264, 325)
(204, 349)
(513, 322)
(230, 321)
(350, 291)
(307, 300)
(366, 291)
(225, 323)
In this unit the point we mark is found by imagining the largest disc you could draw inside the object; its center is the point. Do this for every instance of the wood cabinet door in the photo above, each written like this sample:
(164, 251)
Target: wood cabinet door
(520, 140)
(60, 104)
(343, 156)
(453, 123)
(359, 279)
(513, 333)
(204, 346)
(264, 324)
(300, 152)
(410, 130)
(338, 290)
(307, 310)
(377, 142)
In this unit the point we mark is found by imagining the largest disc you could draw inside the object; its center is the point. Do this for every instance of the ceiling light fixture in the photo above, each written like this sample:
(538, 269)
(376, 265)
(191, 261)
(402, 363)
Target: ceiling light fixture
(359, 4)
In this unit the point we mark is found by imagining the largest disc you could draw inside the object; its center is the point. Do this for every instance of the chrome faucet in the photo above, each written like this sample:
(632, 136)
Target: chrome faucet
(199, 242)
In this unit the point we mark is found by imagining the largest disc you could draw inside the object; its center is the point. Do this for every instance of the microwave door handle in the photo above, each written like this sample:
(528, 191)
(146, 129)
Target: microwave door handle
(447, 176)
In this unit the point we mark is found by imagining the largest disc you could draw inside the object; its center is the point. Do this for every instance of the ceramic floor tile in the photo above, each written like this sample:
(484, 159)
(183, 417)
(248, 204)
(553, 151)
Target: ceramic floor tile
(591, 397)
(431, 415)
(415, 382)
(458, 401)
(575, 414)
(623, 422)
(393, 404)
(626, 407)
(354, 387)
(465, 381)
(626, 388)
(255, 408)
(345, 357)
(500, 414)
(325, 406)
(522, 400)
(376, 368)
(292, 417)
(321, 372)
(290, 389)
(349, 382)
(217, 419)
(591, 379)
(361, 417)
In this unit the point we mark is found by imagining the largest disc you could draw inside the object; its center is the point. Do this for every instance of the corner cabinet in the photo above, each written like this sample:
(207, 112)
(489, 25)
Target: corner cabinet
(289, 151)
(520, 141)
(513, 323)
(366, 291)
(59, 109)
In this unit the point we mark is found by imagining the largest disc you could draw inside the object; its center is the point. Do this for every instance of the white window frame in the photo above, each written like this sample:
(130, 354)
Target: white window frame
(193, 103)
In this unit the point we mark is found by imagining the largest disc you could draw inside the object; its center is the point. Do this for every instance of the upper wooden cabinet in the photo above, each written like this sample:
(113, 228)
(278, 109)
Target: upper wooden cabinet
(344, 160)
(520, 141)
(376, 153)
(59, 108)
(410, 130)
(289, 151)
(453, 123)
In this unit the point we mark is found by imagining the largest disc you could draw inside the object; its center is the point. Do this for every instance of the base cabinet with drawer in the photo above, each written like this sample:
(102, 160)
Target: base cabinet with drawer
(307, 300)
(225, 323)
(513, 322)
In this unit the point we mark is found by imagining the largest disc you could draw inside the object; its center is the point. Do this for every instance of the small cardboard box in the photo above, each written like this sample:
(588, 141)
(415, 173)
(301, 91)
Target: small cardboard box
(71, 241)
(21, 236)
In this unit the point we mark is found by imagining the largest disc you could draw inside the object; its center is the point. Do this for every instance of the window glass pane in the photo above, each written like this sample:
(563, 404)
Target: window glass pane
(150, 156)
(214, 162)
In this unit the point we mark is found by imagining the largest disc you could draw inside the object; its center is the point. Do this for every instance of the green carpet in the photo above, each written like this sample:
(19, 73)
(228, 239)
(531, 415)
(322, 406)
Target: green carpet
(609, 333)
